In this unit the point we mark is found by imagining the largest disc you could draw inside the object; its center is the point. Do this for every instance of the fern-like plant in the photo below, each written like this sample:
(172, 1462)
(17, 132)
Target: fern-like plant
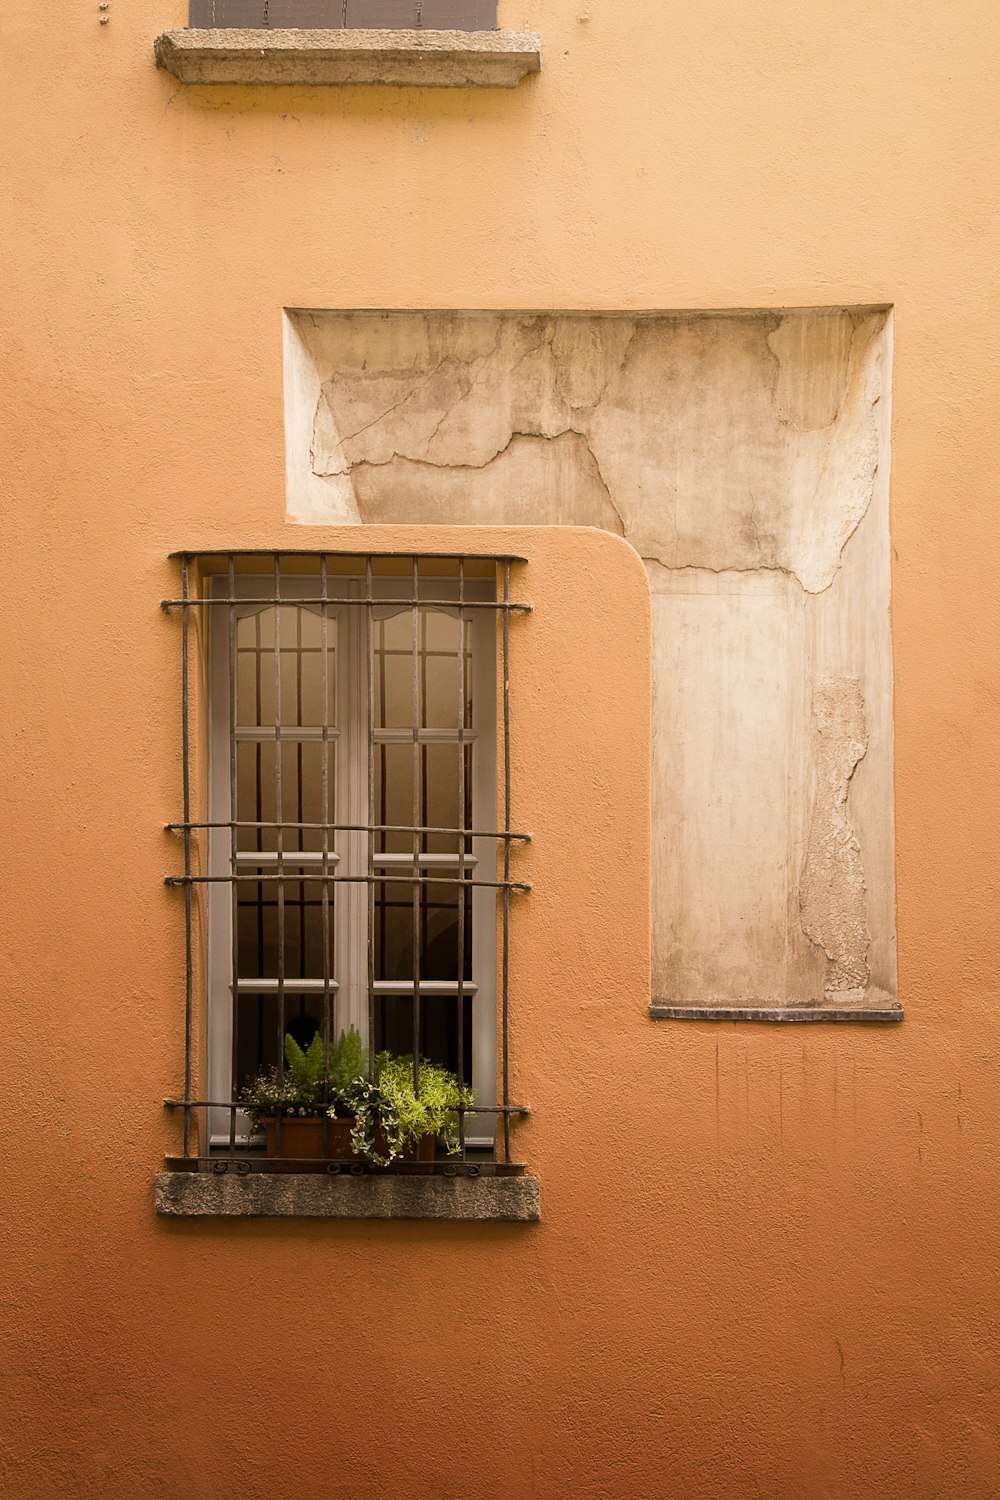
(306, 1067)
(307, 1087)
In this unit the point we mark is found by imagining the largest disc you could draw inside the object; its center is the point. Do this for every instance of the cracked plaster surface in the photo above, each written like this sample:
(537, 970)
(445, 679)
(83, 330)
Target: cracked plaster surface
(744, 457)
(832, 887)
(719, 443)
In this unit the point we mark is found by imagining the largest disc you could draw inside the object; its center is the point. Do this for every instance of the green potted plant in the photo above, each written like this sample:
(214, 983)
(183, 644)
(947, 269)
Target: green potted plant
(394, 1122)
(309, 1099)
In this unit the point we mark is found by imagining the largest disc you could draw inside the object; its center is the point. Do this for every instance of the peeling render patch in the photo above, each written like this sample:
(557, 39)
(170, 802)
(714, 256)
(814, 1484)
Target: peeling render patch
(561, 468)
(745, 457)
(737, 442)
(832, 888)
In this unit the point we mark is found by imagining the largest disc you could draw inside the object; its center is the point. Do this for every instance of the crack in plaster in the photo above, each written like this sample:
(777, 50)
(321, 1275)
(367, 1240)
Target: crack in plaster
(832, 885)
(541, 365)
(349, 437)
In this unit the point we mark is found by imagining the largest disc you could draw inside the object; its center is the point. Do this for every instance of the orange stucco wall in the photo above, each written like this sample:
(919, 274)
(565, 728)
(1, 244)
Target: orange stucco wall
(768, 1258)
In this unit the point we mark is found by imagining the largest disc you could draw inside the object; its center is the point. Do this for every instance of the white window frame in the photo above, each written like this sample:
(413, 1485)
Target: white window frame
(349, 805)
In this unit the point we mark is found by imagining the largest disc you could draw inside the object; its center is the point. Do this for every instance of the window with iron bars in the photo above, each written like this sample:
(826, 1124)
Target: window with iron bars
(354, 869)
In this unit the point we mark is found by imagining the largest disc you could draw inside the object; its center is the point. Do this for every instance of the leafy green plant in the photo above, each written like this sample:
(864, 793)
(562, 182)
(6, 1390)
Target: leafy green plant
(391, 1115)
(306, 1067)
(348, 1063)
(301, 1090)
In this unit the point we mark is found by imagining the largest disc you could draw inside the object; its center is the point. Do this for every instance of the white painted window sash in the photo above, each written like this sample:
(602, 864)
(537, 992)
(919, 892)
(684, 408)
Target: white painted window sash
(349, 795)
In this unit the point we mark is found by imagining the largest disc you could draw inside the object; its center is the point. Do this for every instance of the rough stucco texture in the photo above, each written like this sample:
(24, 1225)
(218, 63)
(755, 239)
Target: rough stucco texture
(745, 457)
(768, 1258)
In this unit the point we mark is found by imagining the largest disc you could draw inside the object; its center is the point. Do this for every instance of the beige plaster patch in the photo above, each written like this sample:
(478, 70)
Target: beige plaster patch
(745, 457)
(832, 887)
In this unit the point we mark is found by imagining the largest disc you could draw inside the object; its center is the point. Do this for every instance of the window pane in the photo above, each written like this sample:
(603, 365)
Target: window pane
(301, 631)
(436, 924)
(258, 1018)
(440, 666)
(302, 798)
(437, 666)
(258, 903)
(437, 804)
(438, 1029)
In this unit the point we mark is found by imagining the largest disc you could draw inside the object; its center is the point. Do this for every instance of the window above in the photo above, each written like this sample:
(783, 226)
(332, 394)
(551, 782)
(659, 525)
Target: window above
(337, 15)
(353, 867)
(401, 43)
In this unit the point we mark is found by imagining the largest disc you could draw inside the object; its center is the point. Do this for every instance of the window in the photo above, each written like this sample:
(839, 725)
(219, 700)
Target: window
(328, 15)
(353, 856)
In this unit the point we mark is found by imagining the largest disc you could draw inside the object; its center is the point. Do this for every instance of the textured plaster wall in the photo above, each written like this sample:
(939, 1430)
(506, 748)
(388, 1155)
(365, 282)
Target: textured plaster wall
(768, 1258)
(745, 457)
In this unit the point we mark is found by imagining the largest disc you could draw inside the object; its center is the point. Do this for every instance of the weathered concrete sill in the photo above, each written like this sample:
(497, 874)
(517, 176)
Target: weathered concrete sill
(421, 59)
(775, 1013)
(259, 1195)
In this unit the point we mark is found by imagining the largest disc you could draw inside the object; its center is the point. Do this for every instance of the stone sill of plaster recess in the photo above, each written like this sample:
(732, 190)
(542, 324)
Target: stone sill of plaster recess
(261, 1195)
(867, 1013)
(418, 59)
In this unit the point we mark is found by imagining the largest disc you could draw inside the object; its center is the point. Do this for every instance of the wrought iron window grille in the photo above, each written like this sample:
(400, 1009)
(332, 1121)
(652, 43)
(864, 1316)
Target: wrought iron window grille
(298, 649)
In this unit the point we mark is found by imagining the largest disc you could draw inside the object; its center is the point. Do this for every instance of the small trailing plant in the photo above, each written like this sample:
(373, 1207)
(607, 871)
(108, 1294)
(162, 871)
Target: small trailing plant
(300, 1089)
(390, 1115)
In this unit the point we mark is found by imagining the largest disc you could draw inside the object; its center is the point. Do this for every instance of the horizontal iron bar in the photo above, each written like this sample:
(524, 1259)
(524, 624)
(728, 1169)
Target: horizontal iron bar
(446, 989)
(291, 986)
(472, 833)
(318, 877)
(499, 604)
(375, 557)
(237, 1104)
(444, 1166)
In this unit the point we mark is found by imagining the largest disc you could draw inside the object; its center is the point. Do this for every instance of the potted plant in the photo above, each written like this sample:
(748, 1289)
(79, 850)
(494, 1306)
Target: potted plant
(393, 1121)
(311, 1101)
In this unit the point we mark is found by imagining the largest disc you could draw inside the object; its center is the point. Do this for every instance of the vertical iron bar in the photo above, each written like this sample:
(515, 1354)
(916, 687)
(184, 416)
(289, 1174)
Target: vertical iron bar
(233, 843)
(505, 963)
(258, 803)
(188, 887)
(461, 844)
(299, 813)
(325, 815)
(417, 750)
(279, 815)
(382, 816)
(370, 652)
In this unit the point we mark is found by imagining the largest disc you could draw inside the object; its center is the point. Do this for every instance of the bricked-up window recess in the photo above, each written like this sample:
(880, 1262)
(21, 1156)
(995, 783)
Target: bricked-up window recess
(354, 868)
(337, 15)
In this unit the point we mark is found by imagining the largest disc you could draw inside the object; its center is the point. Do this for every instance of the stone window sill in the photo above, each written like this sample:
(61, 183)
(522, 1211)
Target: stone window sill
(792, 1013)
(421, 59)
(262, 1195)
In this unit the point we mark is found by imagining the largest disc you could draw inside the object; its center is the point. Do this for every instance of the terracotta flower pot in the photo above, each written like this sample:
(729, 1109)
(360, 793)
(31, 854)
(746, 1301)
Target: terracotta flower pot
(302, 1141)
(424, 1151)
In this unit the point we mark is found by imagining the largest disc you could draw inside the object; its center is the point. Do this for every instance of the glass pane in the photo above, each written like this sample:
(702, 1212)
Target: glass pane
(302, 793)
(301, 637)
(436, 923)
(258, 1019)
(394, 672)
(258, 903)
(440, 668)
(437, 795)
(438, 1029)
(437, 666)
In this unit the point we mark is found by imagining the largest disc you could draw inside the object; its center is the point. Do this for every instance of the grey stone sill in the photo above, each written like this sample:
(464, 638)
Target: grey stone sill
(421, 59)
(262, 1195)
(874, 1013)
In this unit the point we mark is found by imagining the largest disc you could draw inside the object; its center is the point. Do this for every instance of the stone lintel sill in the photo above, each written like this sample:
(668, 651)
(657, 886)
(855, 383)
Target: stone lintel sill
(261, 1195)
(884, 1013)
(401, 59)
